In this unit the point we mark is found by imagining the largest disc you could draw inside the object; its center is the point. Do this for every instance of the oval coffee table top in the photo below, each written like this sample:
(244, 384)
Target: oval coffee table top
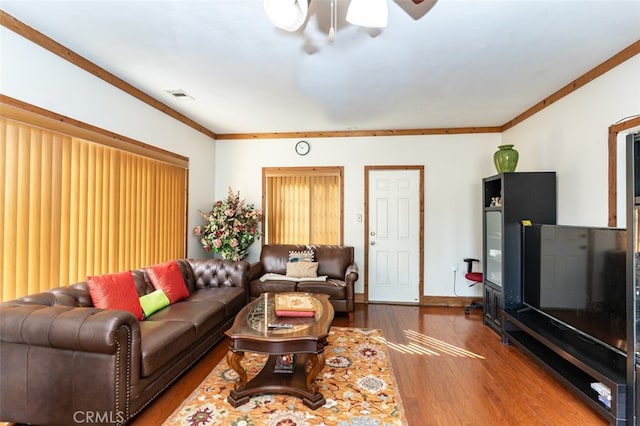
(258, 320)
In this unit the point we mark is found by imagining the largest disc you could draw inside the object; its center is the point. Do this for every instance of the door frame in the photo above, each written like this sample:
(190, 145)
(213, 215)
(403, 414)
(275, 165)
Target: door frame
(420, 169)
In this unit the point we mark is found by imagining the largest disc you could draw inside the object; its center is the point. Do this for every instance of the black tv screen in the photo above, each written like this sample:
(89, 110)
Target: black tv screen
(576, 275)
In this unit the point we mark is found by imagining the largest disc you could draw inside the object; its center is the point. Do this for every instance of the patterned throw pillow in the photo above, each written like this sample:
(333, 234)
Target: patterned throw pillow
(301, 256)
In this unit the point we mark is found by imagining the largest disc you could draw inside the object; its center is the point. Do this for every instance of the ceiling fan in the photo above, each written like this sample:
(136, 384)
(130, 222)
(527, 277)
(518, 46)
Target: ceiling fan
(291, 15)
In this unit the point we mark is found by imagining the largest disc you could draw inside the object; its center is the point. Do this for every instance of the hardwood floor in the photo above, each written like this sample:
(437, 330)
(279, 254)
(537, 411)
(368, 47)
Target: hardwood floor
(502, 386)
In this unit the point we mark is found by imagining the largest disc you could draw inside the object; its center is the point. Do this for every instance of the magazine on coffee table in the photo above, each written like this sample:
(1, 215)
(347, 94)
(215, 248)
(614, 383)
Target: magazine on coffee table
(294, 305)
(285, 363)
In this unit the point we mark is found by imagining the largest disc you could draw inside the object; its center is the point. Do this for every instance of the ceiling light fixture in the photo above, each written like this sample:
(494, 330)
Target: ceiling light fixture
(291, 15)
(368, 13)
(288, 15)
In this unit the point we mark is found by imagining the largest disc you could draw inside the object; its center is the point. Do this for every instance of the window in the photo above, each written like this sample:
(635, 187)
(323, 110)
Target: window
(73, 207)
(303, 205)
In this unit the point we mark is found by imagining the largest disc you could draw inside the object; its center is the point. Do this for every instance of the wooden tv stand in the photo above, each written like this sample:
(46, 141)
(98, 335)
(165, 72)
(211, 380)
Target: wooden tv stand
(573, 359)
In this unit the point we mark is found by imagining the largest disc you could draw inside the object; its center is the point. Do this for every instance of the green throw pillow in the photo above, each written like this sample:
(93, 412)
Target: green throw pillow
(153, 302)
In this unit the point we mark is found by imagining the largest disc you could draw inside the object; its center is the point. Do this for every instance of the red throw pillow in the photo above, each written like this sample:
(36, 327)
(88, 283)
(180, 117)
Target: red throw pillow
(115, 291)
(168, 278)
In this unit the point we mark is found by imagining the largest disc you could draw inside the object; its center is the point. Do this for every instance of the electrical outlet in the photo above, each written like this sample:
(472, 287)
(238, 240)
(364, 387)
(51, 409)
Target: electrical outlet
(454, 268)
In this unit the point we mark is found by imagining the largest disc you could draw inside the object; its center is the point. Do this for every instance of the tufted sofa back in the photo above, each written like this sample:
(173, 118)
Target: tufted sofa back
(197, 274)
(332, 260)
(205, 273)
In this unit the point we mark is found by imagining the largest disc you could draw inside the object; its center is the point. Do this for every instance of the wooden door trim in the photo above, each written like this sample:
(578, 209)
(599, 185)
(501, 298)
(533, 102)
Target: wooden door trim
(628, 123)
(367, 169)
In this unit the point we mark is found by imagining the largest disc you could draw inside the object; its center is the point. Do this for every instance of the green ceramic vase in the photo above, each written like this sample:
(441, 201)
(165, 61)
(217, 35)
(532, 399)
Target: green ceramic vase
(505, 159)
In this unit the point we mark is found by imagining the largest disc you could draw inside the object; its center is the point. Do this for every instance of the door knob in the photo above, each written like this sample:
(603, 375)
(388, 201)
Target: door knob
(373, 234)
(373, 243)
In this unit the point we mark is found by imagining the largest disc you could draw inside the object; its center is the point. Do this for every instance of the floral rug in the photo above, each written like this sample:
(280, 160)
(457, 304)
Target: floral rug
(357, 383)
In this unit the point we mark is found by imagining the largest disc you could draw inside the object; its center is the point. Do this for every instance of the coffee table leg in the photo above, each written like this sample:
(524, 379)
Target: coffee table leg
(316, 363)
(233, 359)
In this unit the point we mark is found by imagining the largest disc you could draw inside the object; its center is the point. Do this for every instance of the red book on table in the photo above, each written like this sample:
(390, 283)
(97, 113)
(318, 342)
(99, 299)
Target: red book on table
(281, 313)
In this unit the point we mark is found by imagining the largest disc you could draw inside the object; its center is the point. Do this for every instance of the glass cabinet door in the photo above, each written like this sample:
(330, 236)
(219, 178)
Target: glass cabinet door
(636, 281)
(494, 246)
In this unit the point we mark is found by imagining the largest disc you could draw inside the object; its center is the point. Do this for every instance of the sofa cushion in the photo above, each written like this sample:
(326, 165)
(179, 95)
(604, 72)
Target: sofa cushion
(302, 269)
(257, 287)
(168, 278)
(115, 291)
(204, 315)
(278, 277)
(233, 298)
(336, 289)
(162, 341)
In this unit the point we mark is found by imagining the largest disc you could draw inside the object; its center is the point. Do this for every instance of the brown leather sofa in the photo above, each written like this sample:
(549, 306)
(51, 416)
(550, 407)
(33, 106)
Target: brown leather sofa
(335, 262)
(64, 362)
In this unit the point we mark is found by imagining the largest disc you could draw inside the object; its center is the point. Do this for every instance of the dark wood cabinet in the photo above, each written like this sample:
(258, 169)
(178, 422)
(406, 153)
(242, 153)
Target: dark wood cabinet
(594, 372)
(633, 277)
(574, 360)
(493, 306)
(508, 199)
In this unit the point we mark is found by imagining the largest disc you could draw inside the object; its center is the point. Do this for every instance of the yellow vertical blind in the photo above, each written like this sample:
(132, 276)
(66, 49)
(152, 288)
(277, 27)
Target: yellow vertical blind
(72, 208)
(303, 206)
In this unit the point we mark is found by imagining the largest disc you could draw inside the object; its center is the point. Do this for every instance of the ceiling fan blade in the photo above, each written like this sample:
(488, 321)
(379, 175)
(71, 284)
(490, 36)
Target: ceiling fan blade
(416, 8)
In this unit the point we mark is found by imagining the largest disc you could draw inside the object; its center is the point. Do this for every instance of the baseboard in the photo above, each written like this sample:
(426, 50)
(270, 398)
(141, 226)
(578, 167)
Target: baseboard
(456, 302)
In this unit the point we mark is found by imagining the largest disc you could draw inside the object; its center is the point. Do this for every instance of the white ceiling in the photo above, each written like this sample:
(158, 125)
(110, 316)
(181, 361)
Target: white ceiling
(463, 64)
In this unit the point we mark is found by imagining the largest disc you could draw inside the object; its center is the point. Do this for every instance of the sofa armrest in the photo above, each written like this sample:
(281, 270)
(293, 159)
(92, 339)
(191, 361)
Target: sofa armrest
(350, 278)
(351, 274)
(61, 360)
(70, 328)
(255, 271)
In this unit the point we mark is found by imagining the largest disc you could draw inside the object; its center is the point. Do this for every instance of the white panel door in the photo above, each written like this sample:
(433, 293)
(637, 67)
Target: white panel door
(394, 236)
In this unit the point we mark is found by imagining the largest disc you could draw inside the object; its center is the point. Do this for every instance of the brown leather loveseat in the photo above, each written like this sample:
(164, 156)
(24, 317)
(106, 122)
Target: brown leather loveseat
(63, 361)
(336, 274)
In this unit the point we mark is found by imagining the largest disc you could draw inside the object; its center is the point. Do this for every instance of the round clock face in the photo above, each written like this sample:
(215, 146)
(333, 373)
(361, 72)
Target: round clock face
(303, 148)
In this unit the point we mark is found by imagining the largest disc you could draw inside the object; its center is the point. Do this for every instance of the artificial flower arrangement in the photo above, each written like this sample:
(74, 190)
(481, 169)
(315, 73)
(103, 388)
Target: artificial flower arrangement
(231, 227)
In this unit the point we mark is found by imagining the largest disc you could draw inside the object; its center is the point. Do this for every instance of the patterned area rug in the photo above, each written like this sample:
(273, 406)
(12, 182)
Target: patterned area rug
(357, 383)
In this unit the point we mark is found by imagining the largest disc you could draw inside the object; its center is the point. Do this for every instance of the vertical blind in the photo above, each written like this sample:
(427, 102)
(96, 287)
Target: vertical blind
(72, 208)
(303, 206)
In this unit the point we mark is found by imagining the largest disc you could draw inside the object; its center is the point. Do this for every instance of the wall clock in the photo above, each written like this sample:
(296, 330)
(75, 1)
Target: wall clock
(303, 148)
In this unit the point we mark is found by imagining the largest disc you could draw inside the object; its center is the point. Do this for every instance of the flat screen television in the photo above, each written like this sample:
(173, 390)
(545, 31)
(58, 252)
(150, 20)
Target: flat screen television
(576, 276)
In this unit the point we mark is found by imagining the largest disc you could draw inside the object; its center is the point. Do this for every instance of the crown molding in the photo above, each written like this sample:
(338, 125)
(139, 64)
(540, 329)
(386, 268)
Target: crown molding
(22, 29)
(33, 35)
(617, 59)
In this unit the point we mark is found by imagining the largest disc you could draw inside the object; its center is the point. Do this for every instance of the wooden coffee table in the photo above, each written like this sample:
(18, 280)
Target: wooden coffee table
(304, 342)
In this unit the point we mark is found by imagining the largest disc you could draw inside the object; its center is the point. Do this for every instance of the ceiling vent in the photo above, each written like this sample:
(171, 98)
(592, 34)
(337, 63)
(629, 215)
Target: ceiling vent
(180, 94)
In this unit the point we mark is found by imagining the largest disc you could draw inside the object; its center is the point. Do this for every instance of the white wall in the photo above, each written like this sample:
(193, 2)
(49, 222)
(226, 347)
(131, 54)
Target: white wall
(454, 167)
(34, 75)
(571, 137)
